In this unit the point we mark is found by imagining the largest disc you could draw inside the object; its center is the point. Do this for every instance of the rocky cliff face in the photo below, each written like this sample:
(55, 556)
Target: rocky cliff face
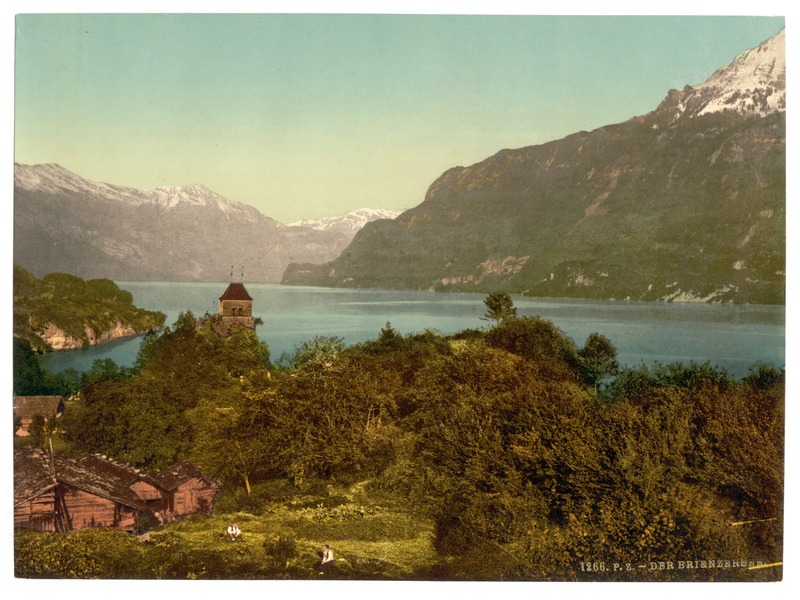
(63, 312)
(684, 203)
(57, 339)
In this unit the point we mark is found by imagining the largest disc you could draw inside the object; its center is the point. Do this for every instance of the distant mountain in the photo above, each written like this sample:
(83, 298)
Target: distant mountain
(686, 203)
(350, 223)
(66, 223)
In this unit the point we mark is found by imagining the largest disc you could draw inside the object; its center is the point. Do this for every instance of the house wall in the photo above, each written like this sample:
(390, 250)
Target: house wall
(37, 513)
(194, 496)
(146, 491)
(89, 510)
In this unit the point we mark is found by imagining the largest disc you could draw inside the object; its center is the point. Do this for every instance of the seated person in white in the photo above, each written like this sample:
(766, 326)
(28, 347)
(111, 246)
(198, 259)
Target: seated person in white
(234, 532)
(327, 558)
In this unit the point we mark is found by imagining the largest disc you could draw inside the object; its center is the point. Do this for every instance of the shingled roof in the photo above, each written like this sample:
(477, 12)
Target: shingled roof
(33, 474)
(28, 406)
(104, 482)
(235, 291)
(107, 467)
(170, 478)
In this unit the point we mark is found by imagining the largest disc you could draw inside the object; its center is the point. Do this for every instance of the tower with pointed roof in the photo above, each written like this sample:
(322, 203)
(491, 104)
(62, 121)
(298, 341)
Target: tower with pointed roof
(236, 308)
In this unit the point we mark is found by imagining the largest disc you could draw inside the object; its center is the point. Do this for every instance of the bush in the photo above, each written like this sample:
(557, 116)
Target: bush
(84, 554)
(763, 376)
(540, 341)
(282, 549)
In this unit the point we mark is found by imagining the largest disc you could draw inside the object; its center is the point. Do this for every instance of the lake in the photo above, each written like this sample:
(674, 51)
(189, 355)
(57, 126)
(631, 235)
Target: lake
(734, 337)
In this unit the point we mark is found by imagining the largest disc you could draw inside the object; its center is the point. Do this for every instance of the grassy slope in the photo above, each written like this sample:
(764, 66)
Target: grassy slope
(370, 540)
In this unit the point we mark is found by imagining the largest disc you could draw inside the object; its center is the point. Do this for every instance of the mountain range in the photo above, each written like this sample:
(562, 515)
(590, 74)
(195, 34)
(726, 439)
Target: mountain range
(70, 224)
(685, 203)
(349, 223)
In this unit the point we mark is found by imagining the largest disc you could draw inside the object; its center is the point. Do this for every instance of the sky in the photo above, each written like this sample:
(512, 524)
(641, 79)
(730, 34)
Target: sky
(312, 115)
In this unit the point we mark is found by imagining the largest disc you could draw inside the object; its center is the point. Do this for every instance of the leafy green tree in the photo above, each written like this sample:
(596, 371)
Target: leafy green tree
(540, 341)
(141, 416)
(495, 441)
(597, 359)
(134, 420)
(499, 307)
(242, 352)
(104, 370)
(37, 430)
(321, 351)
(30, 379)
(764, 377)
(240, 441)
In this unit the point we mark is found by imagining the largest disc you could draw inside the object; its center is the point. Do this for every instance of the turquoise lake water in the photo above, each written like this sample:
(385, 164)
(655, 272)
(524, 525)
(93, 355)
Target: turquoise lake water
(734, 337)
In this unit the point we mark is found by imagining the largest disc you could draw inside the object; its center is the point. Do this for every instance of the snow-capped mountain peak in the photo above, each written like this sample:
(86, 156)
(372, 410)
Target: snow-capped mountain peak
(753, 84)
(55, 179)
(347, 223)
(169, 197)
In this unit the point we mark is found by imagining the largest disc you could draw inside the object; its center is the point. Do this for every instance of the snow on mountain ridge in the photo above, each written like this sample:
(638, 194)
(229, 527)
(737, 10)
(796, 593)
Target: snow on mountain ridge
(170, 197)
(55, 179)
(753, 84)
(349, 222)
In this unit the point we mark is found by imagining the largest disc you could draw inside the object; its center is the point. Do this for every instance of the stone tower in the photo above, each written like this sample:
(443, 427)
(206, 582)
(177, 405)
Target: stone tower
(236, 308)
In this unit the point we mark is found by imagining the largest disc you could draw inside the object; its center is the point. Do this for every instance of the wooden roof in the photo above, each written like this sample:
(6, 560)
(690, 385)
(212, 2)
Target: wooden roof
(104, 482)
(170, 478)
(33, 474)
(109, 468)
(235, 291)
(28, 406)
(96, 474)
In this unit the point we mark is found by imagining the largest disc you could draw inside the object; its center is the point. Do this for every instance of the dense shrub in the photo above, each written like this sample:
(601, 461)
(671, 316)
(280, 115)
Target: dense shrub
(84, 554)
(540, 341)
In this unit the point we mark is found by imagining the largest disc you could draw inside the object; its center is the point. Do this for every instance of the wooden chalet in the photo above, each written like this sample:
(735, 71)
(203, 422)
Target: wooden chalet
(186, 490)
(97, 497)
(34, 490)
(138, 481)
(63, 494)
(27, 407)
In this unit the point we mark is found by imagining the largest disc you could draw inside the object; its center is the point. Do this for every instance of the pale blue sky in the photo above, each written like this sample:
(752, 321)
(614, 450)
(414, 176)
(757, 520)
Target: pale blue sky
(305, 116)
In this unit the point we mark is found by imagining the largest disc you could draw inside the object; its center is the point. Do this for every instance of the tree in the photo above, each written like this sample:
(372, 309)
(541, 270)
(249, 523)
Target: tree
(321, 351)
(30, 379)
(597, 359)
(539, 341)
(389, 336)
(499, 307)
(37, 430)
(229, 443)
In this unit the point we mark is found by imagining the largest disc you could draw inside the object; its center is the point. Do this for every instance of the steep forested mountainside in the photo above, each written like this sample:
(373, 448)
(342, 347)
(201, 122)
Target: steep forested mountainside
(684, 203)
